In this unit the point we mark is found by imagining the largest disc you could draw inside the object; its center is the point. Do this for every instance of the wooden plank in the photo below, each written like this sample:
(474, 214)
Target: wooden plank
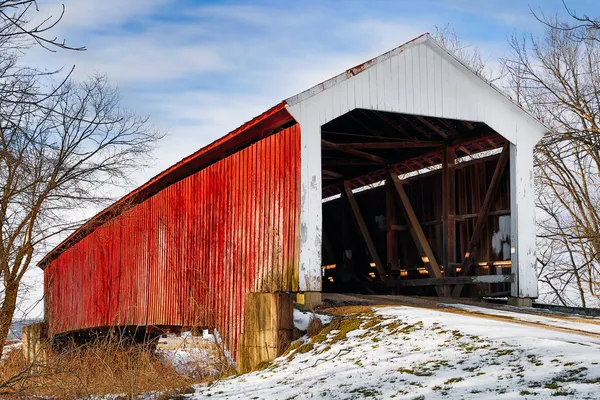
(365, 232)
(332, 174)
(389, 145)
(462, 217)
(483, 214)
(356, 153)
(457, 280)
(431, 126)
(448, 210)
(417, 233)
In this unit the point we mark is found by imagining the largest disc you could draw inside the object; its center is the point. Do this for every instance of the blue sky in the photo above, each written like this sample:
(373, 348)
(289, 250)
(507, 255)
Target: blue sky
(199, 69)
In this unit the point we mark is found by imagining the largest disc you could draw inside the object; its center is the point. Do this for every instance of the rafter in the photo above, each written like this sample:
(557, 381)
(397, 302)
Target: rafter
(356, 153)
(332, 174)
(431, 126)
(389, 145)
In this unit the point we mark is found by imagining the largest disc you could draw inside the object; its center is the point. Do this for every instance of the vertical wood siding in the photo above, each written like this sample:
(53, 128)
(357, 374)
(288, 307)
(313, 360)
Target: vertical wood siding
(187, 255)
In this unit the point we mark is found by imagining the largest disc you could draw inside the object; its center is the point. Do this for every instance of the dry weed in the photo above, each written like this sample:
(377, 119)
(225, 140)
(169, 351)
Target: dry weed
(103, 366)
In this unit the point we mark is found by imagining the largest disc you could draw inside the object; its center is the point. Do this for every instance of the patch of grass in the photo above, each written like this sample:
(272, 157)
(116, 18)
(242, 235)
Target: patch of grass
(293, 346)
(453, 380)
(322, 336)
(411, 328)
(552, 385)
(563, 392)
(347, 325)
(372, 323)
(366, 392)
(414, 372)
(263, 365)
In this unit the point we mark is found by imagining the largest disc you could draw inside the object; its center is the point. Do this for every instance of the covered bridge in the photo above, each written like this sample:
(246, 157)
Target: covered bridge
(407, 174)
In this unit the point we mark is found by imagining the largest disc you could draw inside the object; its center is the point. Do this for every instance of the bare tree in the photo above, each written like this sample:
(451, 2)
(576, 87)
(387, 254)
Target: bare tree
(63, 146)
(469, 54)
(60, 154)
(558, 77)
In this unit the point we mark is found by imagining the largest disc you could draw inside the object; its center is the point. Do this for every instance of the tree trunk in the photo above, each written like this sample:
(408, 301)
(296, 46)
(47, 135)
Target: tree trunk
(7, 311)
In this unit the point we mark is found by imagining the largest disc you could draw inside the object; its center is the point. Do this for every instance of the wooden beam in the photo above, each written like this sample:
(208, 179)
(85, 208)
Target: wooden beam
(417, 128)
(364, 230)
(458, 280)
(483, 213)
(332, 174)
(389, 145)
(417, 233)
(348, 162)
(356, 153)
(462, 217)
(431, 126)
(448, 210)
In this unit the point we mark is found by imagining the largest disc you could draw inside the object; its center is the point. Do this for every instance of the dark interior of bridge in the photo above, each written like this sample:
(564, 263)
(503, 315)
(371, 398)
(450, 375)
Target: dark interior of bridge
(415, 205)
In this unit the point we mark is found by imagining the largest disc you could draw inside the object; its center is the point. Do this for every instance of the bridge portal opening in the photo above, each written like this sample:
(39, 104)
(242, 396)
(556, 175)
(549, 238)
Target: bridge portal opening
(415, 205)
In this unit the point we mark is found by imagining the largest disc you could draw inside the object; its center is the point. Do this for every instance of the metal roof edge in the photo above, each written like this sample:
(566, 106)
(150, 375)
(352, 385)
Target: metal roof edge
(145, 191)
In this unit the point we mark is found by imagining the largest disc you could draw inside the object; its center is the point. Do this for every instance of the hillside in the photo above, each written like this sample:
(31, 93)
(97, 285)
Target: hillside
(400, 352)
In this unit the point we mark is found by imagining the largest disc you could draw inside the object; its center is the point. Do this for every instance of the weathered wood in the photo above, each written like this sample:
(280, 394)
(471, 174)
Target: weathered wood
(457, 280)
(483, 214)
(448, 210)
(462, 217)
(389, 145)
(268, 325)
(415, 228)
(356, 153)
(431, 126)
(332, 174)
(417, 234)
(364, 230)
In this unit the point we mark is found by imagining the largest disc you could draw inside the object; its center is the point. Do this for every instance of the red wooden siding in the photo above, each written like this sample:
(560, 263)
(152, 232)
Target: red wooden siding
(187, 255)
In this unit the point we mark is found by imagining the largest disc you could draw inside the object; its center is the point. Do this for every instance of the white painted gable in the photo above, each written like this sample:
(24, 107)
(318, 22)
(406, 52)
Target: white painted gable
(419, 78)
(422, 78)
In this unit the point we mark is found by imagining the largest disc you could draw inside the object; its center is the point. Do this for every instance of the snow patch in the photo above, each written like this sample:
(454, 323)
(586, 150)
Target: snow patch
(415, 353)
(302, 319)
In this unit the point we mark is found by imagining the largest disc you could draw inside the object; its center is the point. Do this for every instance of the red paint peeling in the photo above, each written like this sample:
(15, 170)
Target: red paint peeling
(187, 255)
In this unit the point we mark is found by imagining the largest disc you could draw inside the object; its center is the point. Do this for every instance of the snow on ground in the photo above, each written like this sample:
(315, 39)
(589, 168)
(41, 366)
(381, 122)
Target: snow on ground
(198, 357)
(414, 353)
(540, 319)
(302, 319)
